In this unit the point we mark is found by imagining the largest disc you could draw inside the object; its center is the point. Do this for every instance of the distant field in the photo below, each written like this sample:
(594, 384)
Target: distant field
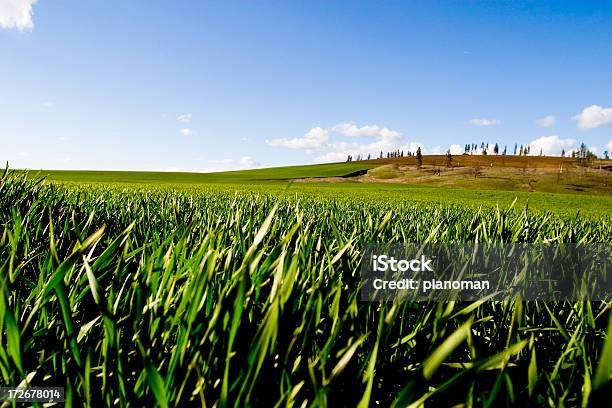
(543, 174)
(267, 174)
(387, 194)
(540, 189)
(568, 204)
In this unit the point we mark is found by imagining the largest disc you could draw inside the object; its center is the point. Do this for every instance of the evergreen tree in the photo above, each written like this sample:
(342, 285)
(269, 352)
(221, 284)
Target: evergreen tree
(449, 158)
(585, 156)
(582, 152)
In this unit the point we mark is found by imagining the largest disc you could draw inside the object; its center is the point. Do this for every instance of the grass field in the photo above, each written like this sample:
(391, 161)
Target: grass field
(421, 187)
(241, 177)
(143, 294)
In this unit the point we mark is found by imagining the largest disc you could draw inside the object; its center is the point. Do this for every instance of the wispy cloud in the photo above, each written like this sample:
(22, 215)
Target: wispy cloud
(594, 116)
(187, 132)
(484, 122)
(546, 121)
(184, 118)
(17, 14)
(212, 166)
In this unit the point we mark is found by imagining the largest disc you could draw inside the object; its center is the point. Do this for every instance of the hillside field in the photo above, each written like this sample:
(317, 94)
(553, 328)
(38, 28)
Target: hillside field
(229, 177)
(533, 181)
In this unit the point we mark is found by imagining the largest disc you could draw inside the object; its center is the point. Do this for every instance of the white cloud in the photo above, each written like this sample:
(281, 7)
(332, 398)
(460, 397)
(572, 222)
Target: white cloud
(550, 145)
(185, 117)
(546, 121)
(609, 146)
(456, 149)
(338, 151)
(243, 163)
(594, 116)
(315, 138)
(187, 132)
(484, 122)
(351, 130)
(413, 146)
(249, 162)
(438, 150)
(16, 14)
(348, 140)
(331, 157)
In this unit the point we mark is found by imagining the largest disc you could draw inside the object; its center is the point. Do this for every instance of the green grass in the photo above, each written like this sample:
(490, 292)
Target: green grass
(480, 192)
(568, 204)
(174, 178)
(220, 296)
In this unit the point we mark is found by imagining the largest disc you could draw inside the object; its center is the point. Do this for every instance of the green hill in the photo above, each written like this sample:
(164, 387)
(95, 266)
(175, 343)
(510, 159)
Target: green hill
(240, 176)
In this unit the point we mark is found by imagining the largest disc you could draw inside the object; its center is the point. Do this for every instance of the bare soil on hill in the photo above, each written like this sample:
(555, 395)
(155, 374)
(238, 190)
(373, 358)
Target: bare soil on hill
(464, 160)
(512, 173)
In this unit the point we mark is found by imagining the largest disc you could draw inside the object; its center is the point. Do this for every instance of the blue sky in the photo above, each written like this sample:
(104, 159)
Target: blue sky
(192, 85)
